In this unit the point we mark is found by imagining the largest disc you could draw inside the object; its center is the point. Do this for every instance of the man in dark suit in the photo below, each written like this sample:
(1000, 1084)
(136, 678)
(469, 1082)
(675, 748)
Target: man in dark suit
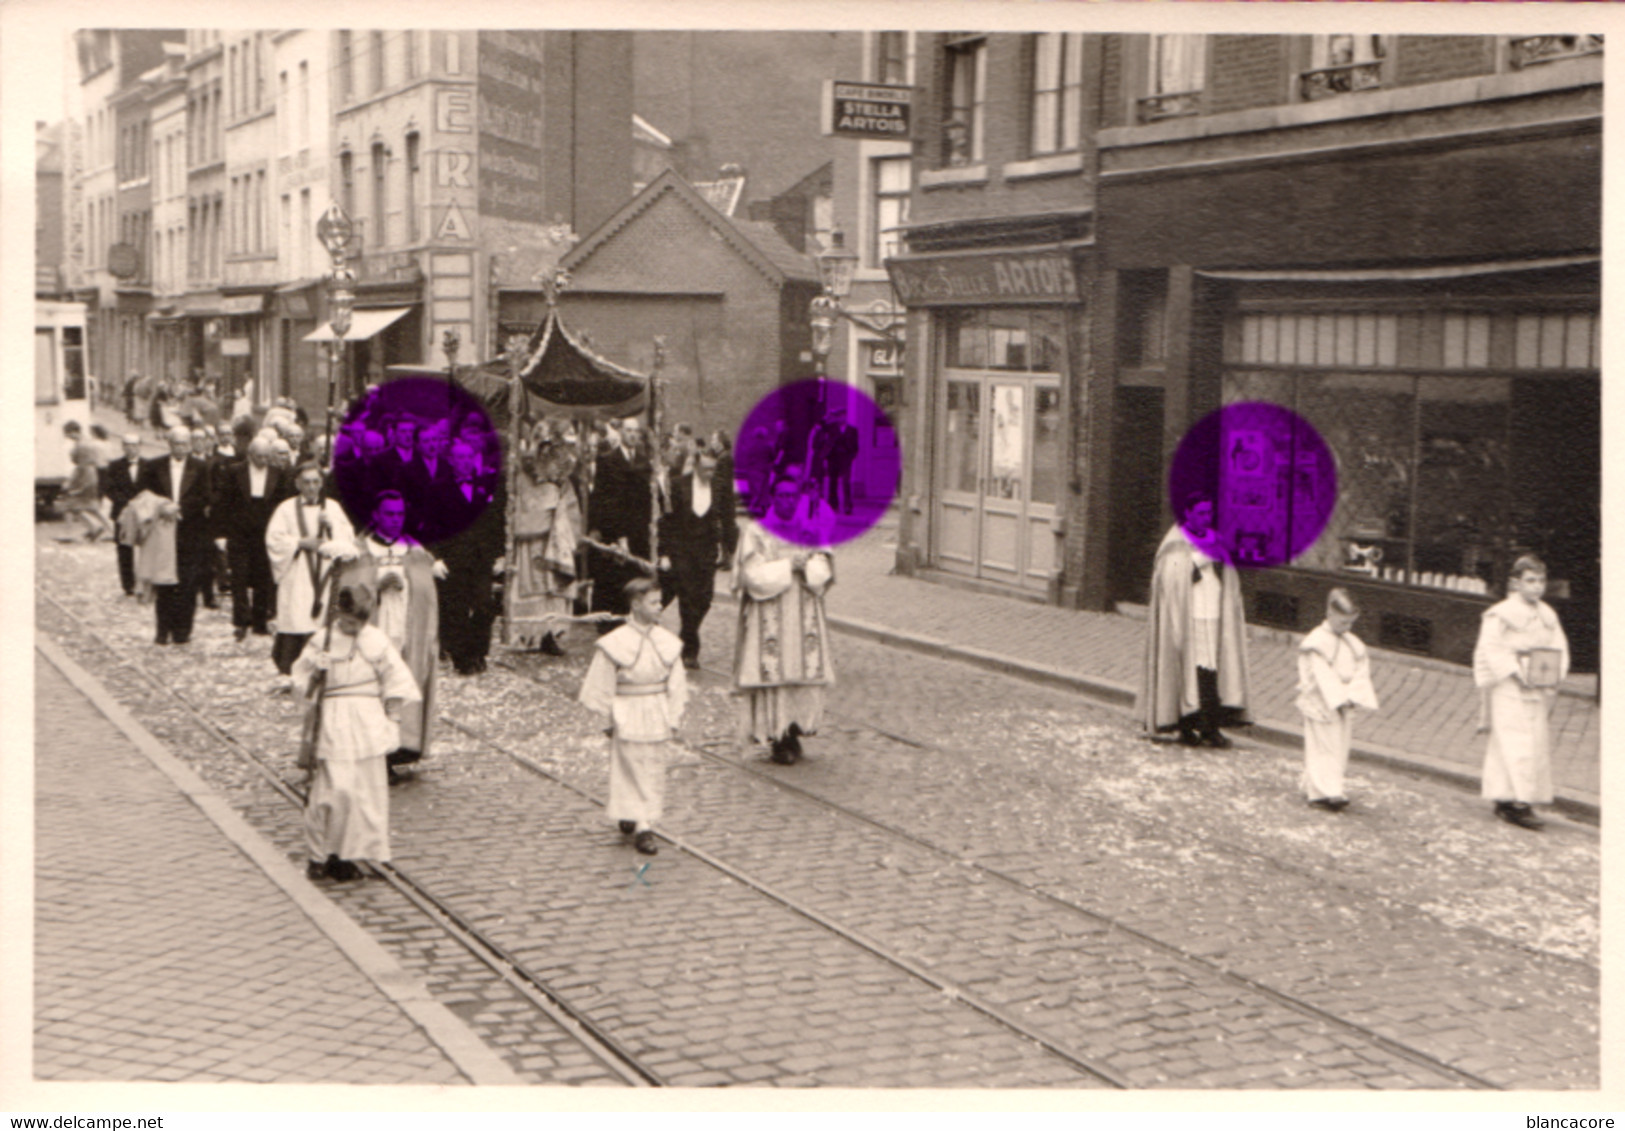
(698, 527)
(246, 493)
(121, 479)
(620, 508)
(834, 448)
(425, 480)
(393, 465)
(183, 479)
(477, 521)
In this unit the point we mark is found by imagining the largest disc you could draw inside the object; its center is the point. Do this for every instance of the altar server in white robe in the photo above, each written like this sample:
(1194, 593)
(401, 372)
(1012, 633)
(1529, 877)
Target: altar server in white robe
(1334, 680)
(366, 687)
(305, 536)
(636, 678)
(1519, 637)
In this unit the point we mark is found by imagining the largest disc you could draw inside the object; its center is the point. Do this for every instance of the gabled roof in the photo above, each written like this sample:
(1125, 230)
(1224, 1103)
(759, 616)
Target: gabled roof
(755, 242)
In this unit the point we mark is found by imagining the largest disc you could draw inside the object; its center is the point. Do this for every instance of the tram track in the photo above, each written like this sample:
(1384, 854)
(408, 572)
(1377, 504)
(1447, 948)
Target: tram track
(627, 1065)
(1241, 982)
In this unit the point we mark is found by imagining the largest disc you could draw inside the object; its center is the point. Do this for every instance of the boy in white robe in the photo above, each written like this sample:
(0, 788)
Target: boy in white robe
(1334, 678)
(637, 679)
(306, 534)
(367, 685)
(1517, 702)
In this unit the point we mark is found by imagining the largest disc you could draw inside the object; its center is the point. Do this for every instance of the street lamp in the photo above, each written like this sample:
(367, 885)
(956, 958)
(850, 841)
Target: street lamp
(335, 231)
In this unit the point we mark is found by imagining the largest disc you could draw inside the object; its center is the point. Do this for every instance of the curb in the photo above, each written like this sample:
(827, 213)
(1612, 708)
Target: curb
(1582, 807)
(444, 1028)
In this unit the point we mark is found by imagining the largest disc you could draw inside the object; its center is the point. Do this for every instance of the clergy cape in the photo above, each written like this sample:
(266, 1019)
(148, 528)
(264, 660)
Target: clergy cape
(783, 637)
(419, 645)
(1517, 758)
(1168, 687)
(295, 592)
(154, 540)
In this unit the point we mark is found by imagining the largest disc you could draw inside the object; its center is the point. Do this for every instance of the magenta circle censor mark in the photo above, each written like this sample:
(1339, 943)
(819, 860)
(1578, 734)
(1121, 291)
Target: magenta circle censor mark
(430, 441)
(1268, 475)
(817, 462)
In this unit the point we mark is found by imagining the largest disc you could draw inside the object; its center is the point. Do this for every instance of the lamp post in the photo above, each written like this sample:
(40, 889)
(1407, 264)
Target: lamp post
(335, 231)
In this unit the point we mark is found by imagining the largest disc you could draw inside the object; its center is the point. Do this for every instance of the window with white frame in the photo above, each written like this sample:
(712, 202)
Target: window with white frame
(892, 58)
(1176, 74)
(889, 183)
(967, 93)
(1342, 64)
(1057, 91)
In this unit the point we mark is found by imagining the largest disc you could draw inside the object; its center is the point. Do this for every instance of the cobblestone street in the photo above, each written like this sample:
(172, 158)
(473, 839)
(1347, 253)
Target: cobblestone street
(970, 881)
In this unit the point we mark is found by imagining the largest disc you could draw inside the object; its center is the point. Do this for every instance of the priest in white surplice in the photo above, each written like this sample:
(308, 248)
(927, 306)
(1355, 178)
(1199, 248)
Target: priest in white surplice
(306, 535)
(782, 663)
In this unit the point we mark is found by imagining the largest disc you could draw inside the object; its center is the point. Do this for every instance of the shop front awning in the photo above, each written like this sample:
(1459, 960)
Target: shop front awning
(1399, 274)
(364, 324)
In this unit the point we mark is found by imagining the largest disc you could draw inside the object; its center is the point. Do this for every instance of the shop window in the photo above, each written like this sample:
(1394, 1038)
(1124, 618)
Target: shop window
(963, 127)
(1047, 445)
(1176, 74)
(1342, 64)
(962, 435)
(1057, 92)
(1405, 633)
(1011, 338)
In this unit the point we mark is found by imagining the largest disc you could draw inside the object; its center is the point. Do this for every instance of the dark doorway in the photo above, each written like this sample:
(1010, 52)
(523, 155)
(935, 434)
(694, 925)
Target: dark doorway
(1136, 490)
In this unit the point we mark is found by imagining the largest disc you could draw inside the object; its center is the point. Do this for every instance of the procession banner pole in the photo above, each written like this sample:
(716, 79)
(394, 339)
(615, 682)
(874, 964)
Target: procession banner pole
(510, 468)
(656, 462)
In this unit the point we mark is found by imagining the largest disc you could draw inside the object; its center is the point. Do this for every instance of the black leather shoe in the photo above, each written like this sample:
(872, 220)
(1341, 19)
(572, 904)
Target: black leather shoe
(342, 870)
(1218, 740)
(628, 827)
(782, 754)
(550, 647)
(161, 638)
(240, 633)
(315, 870)
(645, 843)
(1519, 814)
(1189, 738)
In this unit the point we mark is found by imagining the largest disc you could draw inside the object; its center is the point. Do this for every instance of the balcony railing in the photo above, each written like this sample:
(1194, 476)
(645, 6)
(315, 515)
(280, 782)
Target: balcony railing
(1329, 82)
(1532, 49)
(1176, 105)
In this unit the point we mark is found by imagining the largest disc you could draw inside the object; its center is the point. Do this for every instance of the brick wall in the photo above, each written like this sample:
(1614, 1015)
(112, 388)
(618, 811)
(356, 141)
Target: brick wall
(721, 352)
(1246, 71)
(1433, 58)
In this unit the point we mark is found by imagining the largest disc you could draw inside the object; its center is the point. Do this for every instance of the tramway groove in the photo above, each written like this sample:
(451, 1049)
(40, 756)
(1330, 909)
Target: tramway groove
(512, 971)
(1233, 978)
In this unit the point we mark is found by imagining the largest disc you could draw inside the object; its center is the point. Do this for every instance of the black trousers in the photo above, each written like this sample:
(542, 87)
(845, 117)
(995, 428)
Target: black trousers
(252, 591)
(840, 488)
(467, 613)
(286, 647)
(175, 604)
(1206, 717)
(692, 585)
(126, 567)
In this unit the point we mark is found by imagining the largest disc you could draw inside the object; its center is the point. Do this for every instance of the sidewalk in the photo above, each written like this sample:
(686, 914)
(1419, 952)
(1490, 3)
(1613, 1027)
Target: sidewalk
(1429, 709)
(172, 943)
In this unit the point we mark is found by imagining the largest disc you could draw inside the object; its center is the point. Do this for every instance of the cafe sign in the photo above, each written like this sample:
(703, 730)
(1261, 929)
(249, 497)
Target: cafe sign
(866, 109)
(998, 277)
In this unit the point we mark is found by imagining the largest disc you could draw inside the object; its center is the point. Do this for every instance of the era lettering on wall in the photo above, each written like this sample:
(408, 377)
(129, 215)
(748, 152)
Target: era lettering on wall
(454, 111)
(454, 226)
(451, 169)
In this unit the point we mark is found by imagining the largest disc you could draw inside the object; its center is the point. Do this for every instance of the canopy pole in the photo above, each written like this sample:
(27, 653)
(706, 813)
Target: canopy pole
(656, 463)
(510, 470)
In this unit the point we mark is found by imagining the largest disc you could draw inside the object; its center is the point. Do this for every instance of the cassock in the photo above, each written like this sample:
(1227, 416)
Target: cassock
(467, 609)
(637, 680)
(540, 586)
(1334, 677)
(302, 577)
(410, 617)
(1517, 760)
(1179, 638)
(347, 812)
(781, 663)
